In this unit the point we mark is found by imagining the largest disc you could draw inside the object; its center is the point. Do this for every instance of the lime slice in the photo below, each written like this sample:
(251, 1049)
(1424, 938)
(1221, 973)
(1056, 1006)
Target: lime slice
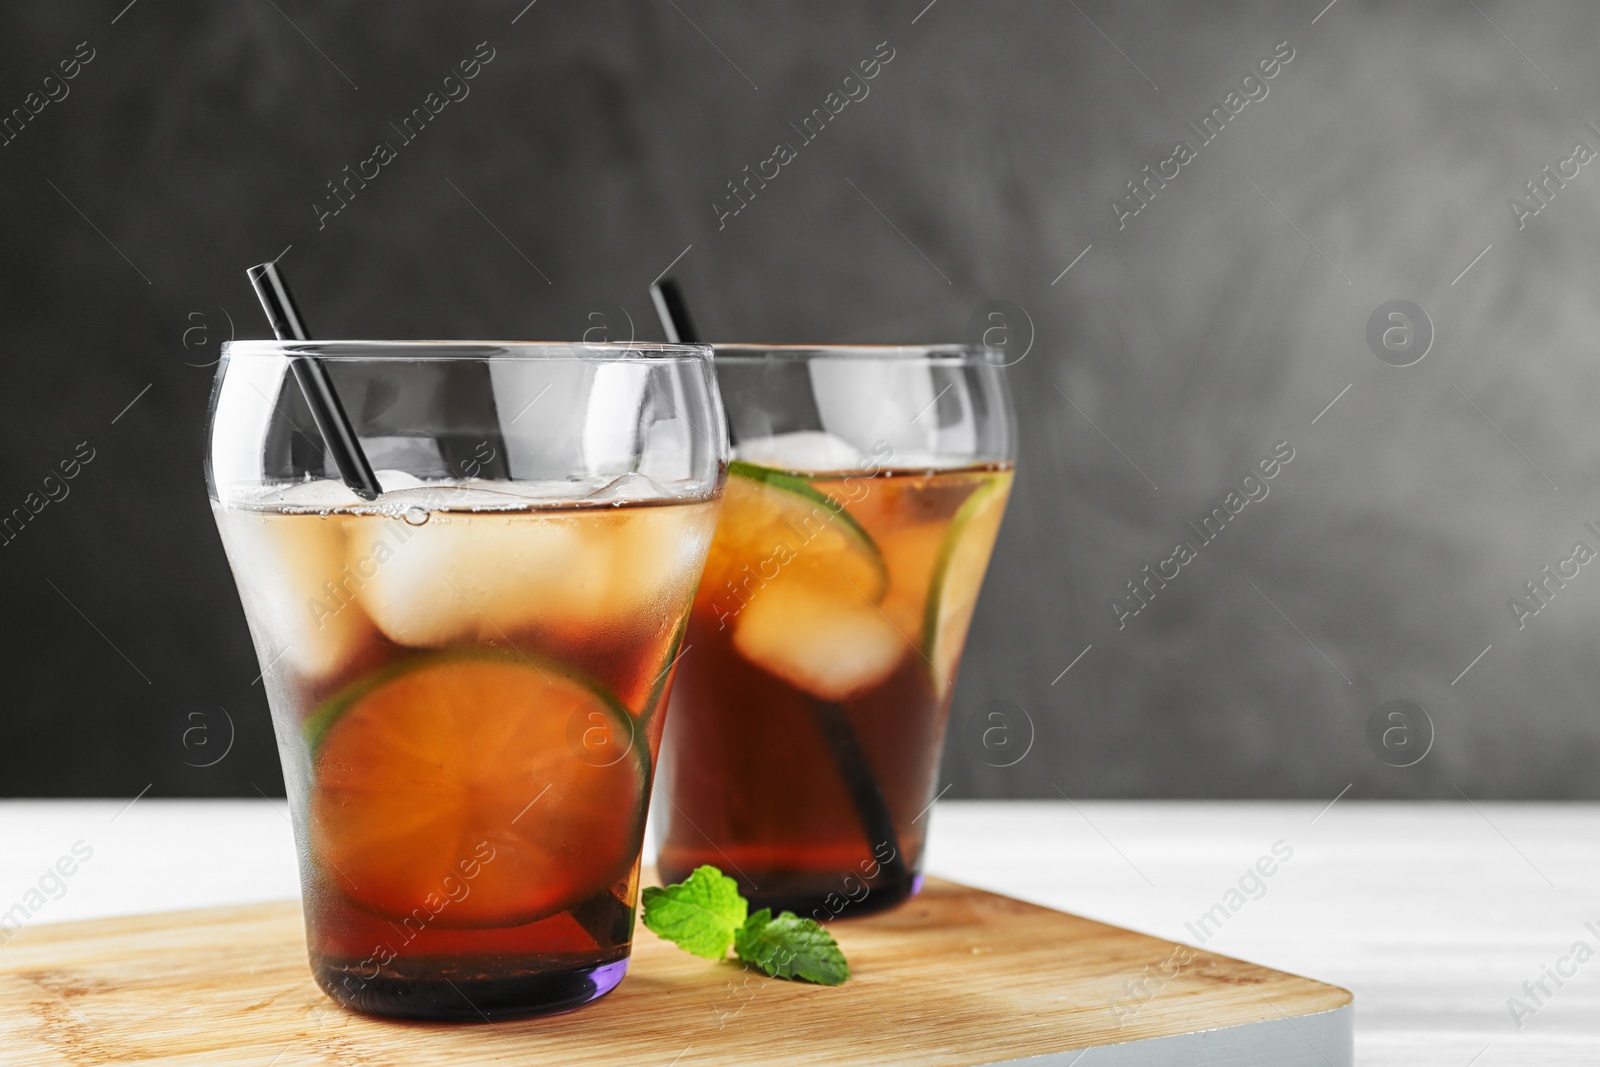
(777, 526)
(958, 576)
(652, 701)
(470, 786)
(912, 552)
(799, 580)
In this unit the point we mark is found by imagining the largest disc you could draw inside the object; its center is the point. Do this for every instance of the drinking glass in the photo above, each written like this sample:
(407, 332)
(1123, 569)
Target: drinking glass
(467, 674)
(808, 718)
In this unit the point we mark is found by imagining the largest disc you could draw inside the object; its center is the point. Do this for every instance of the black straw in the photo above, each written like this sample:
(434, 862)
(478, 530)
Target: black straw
(326, 410)
(877, 821)
(673, 312)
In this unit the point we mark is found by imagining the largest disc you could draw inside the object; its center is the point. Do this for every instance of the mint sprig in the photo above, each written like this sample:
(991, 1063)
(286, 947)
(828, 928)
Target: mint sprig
(705, 914)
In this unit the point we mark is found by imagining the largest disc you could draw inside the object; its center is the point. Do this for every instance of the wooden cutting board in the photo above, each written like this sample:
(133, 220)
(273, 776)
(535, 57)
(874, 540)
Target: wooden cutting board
(956, 977)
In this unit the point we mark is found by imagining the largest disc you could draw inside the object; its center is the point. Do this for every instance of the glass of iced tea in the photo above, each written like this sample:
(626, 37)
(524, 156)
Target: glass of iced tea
(808, 718)
(467, 675)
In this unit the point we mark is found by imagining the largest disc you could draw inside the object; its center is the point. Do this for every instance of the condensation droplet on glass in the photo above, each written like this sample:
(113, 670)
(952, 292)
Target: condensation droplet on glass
(416, 516)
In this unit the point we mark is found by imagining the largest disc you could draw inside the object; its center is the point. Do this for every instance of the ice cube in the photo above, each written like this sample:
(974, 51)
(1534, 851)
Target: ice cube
(826, 644)
(462, 576)
(395, 480)
(651, 561)
(290, 573)
(319, 495)
(803, 450)
(628, 487)
(487, 576)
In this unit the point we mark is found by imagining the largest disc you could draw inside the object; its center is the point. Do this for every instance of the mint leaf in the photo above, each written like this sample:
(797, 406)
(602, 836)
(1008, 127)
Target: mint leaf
(700, 914)
(791, 947)
(704, 914)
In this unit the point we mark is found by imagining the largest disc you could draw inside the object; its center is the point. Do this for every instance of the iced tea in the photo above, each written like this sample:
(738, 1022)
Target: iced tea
(810, 704)
(467, 690)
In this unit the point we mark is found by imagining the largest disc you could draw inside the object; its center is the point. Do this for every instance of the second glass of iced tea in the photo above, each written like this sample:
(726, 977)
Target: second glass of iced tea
(807, 722)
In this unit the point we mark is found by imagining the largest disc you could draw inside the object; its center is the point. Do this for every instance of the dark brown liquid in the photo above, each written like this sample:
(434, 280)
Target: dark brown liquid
(469, 846)
(755, 777)
(410, 969)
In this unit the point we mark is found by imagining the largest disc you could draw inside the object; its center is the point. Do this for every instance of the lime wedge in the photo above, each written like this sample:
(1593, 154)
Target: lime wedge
(800, 580)
(958, 576)
(778, 527)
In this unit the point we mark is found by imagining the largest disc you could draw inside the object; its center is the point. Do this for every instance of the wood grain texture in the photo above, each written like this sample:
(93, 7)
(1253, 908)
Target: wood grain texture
(957, 977)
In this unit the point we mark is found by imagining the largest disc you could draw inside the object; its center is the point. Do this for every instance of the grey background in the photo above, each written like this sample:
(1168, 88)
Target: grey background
(1220, 321)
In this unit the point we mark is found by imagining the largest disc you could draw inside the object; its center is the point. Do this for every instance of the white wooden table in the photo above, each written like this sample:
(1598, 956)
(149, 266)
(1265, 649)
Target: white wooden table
(1433, 914)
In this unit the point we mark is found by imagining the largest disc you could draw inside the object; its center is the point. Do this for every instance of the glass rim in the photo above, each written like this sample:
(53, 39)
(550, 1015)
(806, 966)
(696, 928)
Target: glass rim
(745, 352)
(368, 351)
